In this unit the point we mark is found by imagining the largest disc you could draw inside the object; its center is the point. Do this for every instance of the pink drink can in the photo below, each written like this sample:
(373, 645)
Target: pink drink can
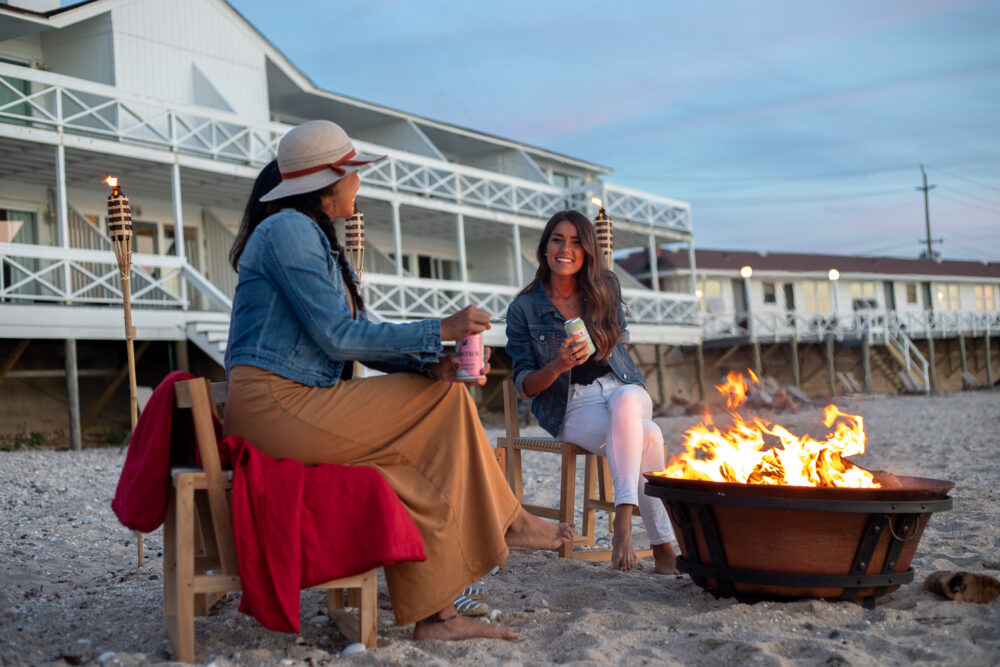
(575, 328)
(470, 356)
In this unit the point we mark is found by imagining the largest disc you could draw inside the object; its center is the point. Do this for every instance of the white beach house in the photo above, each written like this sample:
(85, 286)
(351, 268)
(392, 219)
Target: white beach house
(184, 101)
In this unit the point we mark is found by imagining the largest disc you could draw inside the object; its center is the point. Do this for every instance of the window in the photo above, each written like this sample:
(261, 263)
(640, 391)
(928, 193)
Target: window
(711, 295)
(947, 297)
(770, 293)
(986, 297)
(437, 268)
(863, 295)
(911, 293)
(816, 295)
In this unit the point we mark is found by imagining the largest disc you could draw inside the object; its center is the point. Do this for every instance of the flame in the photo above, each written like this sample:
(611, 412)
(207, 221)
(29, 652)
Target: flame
(749, 452)
(596, 201)
(112, 181)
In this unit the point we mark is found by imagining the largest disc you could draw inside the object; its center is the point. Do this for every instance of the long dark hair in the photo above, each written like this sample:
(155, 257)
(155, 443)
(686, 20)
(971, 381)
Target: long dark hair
(309, 204)
(601, 289)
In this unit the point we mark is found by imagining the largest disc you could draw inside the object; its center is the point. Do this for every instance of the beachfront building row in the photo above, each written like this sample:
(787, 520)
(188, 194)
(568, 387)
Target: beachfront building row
(889, 323)
(184, 101)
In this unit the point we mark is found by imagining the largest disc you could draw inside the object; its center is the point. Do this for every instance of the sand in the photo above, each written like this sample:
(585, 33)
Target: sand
(71, 593)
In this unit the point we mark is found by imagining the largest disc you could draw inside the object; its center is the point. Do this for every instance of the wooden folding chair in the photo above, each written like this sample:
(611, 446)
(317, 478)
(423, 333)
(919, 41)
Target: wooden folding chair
(199, 564)
(598, 493)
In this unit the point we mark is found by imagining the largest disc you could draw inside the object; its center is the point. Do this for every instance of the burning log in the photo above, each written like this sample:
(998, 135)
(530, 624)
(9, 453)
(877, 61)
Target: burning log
(963, 586)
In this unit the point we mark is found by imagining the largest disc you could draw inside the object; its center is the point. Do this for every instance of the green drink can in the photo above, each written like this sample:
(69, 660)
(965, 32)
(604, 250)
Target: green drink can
(575, 328)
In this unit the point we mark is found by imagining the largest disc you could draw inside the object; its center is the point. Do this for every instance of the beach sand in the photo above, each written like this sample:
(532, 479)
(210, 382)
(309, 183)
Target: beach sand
(71, 593)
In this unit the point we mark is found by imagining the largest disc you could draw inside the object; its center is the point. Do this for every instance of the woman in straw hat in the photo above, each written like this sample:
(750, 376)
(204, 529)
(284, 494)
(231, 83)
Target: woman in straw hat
(596, 400)
(298, 324)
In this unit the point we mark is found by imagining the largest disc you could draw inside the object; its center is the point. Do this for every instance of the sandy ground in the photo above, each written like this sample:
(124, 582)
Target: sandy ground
(70, 591)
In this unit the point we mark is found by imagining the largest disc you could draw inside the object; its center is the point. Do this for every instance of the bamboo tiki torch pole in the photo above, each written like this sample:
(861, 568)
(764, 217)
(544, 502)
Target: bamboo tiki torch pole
(354, 244)
(120, 231)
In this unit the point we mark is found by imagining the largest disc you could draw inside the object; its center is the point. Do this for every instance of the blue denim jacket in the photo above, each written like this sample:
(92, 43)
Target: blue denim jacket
(534, 333)
(292, 316)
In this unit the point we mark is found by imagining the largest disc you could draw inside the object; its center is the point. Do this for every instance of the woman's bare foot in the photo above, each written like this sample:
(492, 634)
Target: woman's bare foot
(534, 532)
(622, 551)
(665, 559)
(459, 627)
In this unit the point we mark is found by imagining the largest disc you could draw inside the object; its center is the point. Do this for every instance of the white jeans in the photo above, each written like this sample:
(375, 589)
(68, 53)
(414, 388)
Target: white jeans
(615, 420)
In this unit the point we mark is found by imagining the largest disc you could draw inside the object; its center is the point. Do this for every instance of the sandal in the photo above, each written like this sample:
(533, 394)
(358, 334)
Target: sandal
(468, 607)
(475, 591)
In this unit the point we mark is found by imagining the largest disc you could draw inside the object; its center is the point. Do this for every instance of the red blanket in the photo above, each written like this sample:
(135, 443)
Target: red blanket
(140, 500)
(295, 525)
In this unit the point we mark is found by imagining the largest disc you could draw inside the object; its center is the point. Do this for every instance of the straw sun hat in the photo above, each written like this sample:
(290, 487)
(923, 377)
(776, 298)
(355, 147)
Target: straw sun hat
(312, 156)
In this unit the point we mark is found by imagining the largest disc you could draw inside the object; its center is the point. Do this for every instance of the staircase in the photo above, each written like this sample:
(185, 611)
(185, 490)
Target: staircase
(911, 373)
(210, 335)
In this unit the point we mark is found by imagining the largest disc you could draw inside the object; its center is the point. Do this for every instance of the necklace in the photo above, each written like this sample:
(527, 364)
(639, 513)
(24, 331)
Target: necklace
(571, 306)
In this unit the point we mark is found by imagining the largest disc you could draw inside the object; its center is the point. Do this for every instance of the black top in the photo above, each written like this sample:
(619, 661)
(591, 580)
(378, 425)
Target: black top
(588, 371)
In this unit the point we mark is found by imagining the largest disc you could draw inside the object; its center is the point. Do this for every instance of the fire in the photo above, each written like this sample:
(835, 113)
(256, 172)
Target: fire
(747, 452)
(112, 181)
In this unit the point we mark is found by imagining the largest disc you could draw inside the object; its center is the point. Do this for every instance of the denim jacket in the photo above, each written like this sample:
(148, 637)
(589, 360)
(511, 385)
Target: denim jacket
(534, 333)
(292, 315)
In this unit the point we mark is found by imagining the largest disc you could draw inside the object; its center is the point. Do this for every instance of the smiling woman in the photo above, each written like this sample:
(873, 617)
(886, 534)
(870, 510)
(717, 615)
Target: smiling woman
(593, 396)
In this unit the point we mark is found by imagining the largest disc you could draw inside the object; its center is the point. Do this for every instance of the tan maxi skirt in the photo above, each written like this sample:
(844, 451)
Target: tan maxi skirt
(423, 436)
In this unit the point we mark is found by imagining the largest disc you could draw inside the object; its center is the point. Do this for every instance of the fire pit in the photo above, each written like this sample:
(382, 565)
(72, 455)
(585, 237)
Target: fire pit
(748, 540)
(760, 512)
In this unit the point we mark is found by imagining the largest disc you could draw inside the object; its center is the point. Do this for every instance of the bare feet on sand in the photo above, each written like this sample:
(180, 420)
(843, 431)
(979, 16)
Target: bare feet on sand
(459, 627)
(534, 532)
(622, 551)
(665, 559)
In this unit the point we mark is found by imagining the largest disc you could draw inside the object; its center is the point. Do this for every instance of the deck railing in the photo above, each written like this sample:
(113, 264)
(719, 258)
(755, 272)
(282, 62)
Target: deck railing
(778, 327)
(38, 100)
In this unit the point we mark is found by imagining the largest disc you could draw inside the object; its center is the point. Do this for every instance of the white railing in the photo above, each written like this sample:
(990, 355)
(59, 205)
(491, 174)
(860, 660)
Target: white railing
(33, 274)
(401, 298)
(83, 108)
(622, 203)
(909, 356)
(776, 327)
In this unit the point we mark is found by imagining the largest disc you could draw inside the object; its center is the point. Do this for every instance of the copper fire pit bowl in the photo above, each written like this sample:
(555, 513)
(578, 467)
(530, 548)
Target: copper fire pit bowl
(755, 541)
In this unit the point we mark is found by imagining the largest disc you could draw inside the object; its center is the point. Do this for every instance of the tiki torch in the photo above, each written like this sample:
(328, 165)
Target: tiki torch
(120, 231)
(354, 243)
(602, 225)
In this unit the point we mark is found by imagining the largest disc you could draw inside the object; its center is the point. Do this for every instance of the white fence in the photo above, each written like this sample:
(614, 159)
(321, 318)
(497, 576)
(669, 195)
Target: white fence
(38, 100)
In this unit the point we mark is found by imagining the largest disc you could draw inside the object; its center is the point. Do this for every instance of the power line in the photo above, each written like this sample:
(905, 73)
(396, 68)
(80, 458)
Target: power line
(646, 176)
(965, 178)
(971, 195)
(969, 203)
(724, 202)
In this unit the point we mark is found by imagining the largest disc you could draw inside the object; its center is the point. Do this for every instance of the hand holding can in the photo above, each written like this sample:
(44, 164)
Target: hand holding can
(470, 357)
(575, 328)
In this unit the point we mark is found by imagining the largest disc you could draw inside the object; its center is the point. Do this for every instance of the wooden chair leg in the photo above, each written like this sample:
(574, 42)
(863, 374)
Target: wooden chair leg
(368, 610)
(589, 492)
(517, 480)
(607, 489)
(184, 579)
(567, 496)
(170, 571)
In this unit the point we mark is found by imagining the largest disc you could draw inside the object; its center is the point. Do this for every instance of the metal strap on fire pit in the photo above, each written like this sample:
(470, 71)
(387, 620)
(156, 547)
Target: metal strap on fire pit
(807, 504)
(846, 581)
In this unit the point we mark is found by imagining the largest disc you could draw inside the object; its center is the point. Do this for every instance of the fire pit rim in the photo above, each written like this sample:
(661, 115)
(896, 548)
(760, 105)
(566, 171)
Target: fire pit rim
(797, 503)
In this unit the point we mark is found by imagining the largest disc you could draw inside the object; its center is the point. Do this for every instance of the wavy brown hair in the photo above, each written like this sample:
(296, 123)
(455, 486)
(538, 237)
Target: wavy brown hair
(601, 290)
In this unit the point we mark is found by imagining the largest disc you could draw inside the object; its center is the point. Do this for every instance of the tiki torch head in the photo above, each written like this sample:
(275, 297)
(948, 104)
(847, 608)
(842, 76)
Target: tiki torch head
(120, 225)
(354, 243)
(602, 226)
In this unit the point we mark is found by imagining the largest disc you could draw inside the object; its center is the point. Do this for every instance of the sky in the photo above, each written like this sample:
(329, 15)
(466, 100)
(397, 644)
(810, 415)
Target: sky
(787, 125)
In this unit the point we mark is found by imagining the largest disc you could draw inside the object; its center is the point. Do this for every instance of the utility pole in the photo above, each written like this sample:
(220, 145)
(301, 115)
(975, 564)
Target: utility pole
(927, 215)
